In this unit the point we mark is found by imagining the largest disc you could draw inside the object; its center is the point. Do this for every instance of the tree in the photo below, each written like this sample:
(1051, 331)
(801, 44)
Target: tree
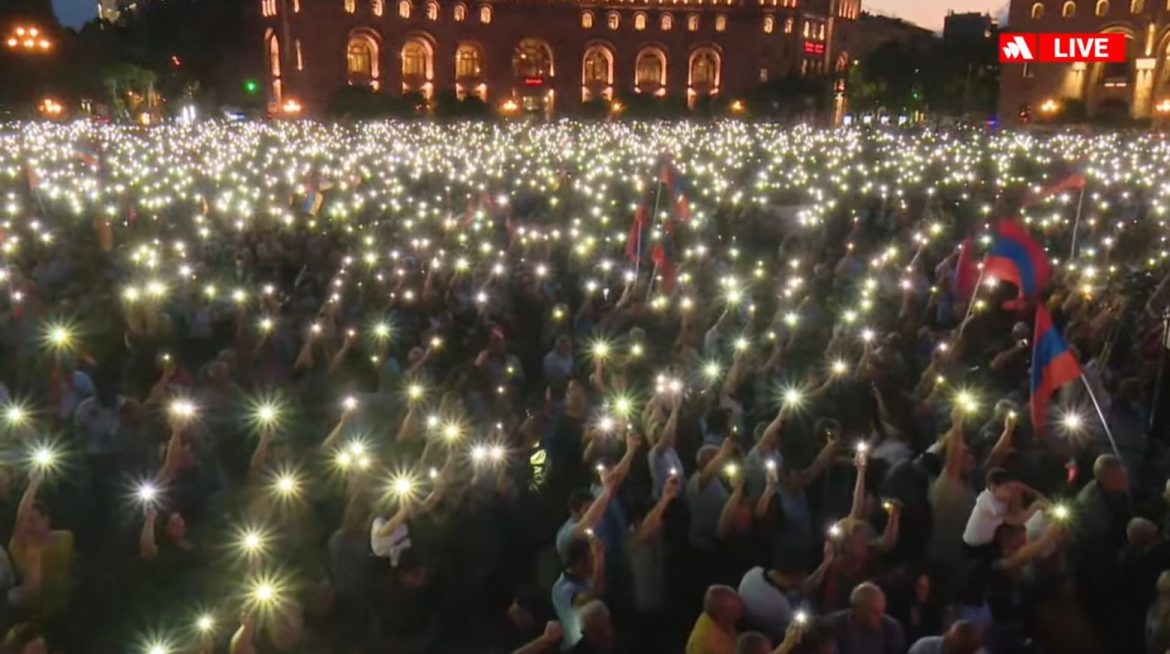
(131, 90)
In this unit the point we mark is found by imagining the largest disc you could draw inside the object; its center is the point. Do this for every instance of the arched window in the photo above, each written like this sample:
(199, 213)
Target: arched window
(485, 14)
(404, 8)
(361, 59)
(704, 71)
(666, 23)
(300, 56)
(650, 71)
(274, 67)
(821, 32)
(1068, 10)
(1137, 6)
(468, 62)
(789, 23)
(720, 23)
(693, 23)
(807, 33)
(379, 7)
(613, 20)
(350, 6)
(596, 72)
(417, 66)
(587, 19)
(460, 13)
(432, 11)
(769, 24)
(532, 58)
(1102, 7)
(639, 21)
(1038, 11)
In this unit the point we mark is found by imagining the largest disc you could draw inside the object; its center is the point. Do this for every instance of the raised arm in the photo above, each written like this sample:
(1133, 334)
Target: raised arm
(147, 546)
(813, 581)
(27, 501)
(796, 479)
(652, 523)
(242, 639)
(765, 501)
(727, 516)
(861, 462)
(260, 455)
(669, 435)
(715, 466)
(405, 510)
(1006, 443)
(889, 536)
(953, 465)
(622, 469)
(597, 509)
(331, 441)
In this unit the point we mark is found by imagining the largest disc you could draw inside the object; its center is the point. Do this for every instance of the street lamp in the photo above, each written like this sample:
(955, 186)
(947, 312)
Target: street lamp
(1049, 107)
(28, 39)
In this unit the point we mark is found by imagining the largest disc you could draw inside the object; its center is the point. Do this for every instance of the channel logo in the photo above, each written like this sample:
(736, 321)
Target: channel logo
(1062, 48)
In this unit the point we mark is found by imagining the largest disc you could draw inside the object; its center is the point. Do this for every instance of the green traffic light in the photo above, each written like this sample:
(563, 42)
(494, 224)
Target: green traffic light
(251, 86)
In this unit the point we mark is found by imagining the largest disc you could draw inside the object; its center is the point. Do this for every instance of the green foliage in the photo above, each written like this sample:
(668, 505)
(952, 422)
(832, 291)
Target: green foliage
(449, 106)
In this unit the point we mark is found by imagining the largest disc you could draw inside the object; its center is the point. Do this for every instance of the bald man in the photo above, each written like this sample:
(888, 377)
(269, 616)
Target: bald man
(864, 628)
(714, 631)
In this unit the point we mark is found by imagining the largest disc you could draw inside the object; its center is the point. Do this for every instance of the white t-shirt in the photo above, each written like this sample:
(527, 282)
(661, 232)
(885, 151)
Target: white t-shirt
(764, 604)
(391, 546)
(988, 515)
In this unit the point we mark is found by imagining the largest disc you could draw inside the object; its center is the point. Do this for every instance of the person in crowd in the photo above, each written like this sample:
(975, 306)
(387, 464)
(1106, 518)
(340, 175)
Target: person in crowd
(715, 629)
(961, 638)
(582, 580)
(864, 627)
(1004, 501)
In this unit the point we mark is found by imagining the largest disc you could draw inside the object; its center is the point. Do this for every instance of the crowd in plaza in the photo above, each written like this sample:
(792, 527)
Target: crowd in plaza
(596, 388)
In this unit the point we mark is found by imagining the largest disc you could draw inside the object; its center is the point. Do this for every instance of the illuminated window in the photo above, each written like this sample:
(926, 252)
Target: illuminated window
(532, 58)
(296, 6)
(666, 23)
(417, 66)
(789, 23)
(485, 14)
(1068, 10)
(460, 13)
(350, 6)
(763, 75)
(596, 72)
(821, 32)
(361, 59)
(693, 23)
(379, 7)
(807, 29)
(720, 23)
(1037, 11)
(274, 67)
(1102, 7)
(587, 19)
(704, 71)
(650, 71)
(300, 57)
(404, 8)
(803, 67)
(769, 24)
(432, 11)
(1137, 6)
(612, 20)
(639, 21)
(468, 62)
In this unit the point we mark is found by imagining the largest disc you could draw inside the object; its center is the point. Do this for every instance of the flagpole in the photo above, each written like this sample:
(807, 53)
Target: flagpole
(1077, 225)
(653, 217)
(971, 302)
(1101, 415)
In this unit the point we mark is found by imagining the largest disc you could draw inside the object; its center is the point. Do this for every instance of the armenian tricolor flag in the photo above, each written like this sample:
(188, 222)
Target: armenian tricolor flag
(1017, 258)
(1053, 366)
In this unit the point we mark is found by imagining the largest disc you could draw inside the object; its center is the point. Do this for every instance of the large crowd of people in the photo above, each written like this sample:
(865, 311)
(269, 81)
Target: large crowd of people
(599, 388)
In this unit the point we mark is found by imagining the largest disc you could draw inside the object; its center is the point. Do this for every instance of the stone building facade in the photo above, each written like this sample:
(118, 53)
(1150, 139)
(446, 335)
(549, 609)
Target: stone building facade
(545, 56)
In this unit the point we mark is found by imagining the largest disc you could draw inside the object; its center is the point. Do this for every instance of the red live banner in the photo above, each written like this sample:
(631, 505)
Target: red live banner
(1062, 48)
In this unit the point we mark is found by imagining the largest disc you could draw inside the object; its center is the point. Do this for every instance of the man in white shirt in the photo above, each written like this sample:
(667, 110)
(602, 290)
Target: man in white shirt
(1000, 502)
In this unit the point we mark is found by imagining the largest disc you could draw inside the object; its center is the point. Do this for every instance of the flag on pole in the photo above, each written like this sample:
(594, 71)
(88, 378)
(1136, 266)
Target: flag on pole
(1070, 181)
(1017, 258)
(638, 239)
(1053, 366)
(966, 271)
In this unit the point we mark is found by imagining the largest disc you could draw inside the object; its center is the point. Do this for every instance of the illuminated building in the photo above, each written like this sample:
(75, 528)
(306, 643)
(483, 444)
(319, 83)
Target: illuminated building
(539, 56)
(1137, 88)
